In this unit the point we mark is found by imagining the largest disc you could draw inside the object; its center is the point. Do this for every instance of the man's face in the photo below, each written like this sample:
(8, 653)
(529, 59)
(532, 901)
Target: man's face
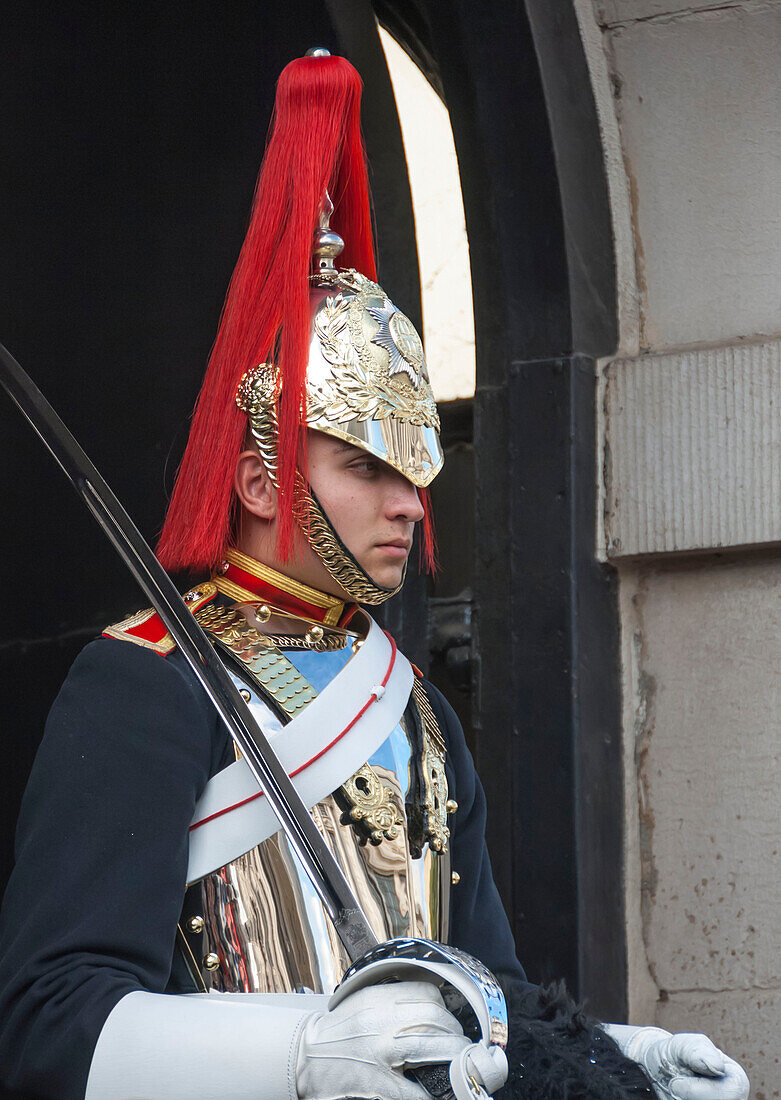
(371, 506)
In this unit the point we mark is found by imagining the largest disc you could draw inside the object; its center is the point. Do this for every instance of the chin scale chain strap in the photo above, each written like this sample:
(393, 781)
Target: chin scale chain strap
(255, 397)
(334, 554)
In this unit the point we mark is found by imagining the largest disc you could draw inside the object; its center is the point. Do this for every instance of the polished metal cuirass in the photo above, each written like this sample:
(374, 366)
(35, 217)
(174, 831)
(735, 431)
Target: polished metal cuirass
(264, 927)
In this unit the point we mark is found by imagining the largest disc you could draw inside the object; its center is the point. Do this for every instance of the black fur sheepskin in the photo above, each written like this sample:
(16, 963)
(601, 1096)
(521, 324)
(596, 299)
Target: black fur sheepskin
(557, 1053)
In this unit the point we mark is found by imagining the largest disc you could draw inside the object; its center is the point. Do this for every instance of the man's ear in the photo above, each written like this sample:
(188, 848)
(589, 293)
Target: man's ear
(254, 487)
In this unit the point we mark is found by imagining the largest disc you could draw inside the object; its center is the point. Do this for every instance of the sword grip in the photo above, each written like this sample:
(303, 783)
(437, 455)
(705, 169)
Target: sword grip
(435, 1080)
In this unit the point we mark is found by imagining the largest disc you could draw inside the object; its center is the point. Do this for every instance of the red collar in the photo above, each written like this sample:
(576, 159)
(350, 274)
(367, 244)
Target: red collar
(246, 580)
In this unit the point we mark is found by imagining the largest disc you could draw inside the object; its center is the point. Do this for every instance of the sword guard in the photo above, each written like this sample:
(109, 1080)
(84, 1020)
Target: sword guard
(482, 1067)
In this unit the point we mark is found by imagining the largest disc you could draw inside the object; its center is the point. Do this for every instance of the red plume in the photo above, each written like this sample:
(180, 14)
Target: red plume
(315, 145)
(429, 551)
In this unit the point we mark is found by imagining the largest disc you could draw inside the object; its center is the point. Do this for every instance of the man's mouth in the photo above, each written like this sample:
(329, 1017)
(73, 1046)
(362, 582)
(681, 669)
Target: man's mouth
(396, 548)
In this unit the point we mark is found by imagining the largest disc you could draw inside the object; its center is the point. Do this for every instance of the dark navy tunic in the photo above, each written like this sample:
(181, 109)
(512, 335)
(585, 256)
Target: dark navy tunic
(92, 907)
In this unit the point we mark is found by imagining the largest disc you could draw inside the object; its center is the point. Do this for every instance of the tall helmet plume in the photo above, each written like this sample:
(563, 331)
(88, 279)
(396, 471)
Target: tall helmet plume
(315, 145)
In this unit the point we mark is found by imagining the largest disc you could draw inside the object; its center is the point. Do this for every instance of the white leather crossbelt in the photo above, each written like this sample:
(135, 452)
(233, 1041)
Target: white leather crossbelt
(321, 748)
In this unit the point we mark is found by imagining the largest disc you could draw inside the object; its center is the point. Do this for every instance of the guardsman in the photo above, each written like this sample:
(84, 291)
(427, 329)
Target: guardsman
(159, 936)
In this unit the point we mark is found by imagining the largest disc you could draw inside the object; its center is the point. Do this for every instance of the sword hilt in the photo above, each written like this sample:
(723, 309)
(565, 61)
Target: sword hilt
(424, 960)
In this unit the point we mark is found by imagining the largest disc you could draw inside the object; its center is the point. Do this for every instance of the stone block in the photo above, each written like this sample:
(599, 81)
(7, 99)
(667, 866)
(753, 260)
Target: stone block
(698, 105)
(707, 642)
(692, 450)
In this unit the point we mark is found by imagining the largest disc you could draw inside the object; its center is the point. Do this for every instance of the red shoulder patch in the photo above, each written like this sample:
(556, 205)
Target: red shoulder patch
(147, 629)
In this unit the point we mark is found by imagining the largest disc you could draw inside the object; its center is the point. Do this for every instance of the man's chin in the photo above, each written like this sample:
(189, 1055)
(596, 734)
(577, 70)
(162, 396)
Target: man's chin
(386, 575)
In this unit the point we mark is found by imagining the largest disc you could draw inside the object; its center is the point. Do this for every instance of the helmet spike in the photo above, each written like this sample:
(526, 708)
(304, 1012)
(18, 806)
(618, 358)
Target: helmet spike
(327, 244)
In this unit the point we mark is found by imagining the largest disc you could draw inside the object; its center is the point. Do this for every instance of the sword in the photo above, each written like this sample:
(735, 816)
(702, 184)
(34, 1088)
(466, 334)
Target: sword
(309, 845)
(368, 956)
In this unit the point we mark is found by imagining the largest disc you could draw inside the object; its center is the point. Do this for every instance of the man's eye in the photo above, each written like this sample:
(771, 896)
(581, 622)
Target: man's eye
(365, 466)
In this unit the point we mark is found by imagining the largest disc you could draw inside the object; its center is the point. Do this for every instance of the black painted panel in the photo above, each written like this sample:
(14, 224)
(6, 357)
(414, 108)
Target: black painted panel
(546, 698)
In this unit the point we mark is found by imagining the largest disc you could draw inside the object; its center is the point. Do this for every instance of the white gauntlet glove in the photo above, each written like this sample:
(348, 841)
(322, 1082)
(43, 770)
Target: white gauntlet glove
(683, 1066)
(362, 1046)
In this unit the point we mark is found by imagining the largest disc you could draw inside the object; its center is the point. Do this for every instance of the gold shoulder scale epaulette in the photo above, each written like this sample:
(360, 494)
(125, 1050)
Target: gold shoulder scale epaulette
(147, 629)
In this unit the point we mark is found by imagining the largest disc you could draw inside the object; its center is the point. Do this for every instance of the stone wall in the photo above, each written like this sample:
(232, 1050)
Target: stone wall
(689, 99)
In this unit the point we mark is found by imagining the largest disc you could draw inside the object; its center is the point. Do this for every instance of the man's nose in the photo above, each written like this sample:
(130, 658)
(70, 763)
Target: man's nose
(404, 501)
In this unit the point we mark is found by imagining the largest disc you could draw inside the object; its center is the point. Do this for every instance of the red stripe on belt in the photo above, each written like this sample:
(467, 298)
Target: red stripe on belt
(373, 697)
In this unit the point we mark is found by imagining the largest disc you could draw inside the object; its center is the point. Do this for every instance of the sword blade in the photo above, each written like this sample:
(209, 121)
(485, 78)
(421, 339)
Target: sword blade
(318, 861)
